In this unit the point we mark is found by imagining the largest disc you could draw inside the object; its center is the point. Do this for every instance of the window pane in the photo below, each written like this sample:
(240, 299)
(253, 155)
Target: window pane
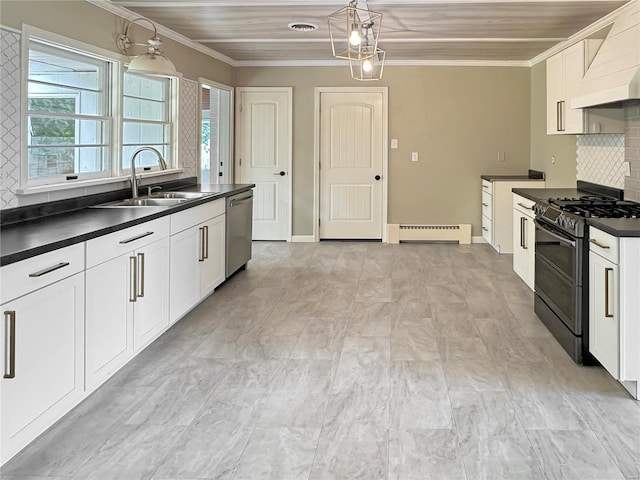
(145, 133)
(55, 131)
(145, 87)
(52, 161)
(145, 158)
(135, 108)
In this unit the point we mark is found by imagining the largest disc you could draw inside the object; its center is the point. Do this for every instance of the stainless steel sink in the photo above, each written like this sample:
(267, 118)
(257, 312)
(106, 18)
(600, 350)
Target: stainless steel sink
(144, 202)
(184, 195)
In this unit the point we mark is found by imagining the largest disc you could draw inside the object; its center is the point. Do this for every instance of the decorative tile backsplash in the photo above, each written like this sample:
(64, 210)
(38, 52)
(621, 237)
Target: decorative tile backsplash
(10, 130)
(188, 127)
(9, 117)
(600, 159)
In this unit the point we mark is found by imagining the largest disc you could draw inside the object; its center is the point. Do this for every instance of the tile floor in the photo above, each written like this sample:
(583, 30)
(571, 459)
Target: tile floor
(351, 361)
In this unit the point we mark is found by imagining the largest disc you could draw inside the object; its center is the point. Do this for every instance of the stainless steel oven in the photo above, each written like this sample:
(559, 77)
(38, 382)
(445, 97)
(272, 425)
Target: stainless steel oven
(561, 270)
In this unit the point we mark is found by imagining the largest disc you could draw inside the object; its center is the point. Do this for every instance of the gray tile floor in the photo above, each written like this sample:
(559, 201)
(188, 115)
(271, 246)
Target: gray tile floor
(352, 361)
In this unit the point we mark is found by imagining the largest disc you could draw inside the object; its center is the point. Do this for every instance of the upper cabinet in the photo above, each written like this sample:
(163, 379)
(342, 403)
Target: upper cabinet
(564, 74)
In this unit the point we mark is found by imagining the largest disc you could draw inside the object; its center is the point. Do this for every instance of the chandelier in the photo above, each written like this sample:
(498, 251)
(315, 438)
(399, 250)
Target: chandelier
(354, 34)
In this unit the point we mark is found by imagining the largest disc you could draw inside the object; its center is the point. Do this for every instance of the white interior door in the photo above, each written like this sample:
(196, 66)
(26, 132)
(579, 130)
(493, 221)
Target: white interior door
(351, 165)
(264, 158)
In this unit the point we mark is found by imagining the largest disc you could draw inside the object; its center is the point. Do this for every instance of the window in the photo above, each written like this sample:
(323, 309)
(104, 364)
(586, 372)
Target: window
(68, 115)
(147, 113)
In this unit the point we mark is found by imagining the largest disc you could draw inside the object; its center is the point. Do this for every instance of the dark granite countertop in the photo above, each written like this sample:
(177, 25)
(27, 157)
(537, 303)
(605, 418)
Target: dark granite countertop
(520, 178)
(544, 194)
(618, 227)
(27, 239)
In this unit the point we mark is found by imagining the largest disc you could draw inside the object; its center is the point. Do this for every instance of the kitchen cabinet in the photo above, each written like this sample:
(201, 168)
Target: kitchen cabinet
(524, 239)
(564, 74)
(197, 255)
(614, 306)
(497, 211)
(43, 344)
(127, 283)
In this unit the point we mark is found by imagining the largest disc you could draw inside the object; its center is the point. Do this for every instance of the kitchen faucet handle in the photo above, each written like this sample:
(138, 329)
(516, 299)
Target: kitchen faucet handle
(152, 188)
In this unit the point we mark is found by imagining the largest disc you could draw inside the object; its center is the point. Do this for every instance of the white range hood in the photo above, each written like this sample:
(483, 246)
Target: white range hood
(614, 73)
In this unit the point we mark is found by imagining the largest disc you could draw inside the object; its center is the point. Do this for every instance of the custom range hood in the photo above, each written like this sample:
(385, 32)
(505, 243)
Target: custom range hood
(614, 73)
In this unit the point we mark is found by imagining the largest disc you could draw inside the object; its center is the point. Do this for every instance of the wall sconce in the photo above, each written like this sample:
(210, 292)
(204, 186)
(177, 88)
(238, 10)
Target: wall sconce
(151, 63)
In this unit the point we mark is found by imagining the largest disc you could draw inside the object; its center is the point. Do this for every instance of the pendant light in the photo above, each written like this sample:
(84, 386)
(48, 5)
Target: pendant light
(348, 28)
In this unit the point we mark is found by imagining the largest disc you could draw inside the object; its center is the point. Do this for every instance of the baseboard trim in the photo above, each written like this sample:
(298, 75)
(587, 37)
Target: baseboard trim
(303, 239)
(478, 240)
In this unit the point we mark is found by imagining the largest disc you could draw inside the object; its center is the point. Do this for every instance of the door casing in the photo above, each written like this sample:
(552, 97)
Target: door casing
(316, 151)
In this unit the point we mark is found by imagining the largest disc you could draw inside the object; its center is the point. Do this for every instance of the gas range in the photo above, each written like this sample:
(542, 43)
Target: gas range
(569, 214)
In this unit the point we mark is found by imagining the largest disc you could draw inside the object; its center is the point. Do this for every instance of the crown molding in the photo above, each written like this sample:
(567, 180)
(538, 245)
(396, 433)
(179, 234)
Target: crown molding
(166, 32)
(294, 3)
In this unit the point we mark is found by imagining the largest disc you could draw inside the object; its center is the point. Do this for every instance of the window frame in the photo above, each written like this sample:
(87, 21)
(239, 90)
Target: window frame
(114, 101)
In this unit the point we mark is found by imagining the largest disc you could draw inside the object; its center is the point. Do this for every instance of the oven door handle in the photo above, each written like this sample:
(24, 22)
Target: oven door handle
(566, 241)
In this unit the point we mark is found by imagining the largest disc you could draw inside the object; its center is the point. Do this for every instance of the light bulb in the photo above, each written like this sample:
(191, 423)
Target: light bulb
(354, 38)
(367, 66)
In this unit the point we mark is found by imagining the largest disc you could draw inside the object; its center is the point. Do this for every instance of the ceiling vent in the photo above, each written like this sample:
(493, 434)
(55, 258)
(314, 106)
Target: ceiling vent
(303, 26)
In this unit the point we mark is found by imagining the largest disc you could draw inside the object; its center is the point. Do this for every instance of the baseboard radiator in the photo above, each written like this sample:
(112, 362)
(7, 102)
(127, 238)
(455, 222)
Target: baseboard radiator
(429, 233)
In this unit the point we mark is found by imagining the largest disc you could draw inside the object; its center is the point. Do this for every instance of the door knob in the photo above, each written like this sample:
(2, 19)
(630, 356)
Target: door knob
(282, 174)
(377, 177)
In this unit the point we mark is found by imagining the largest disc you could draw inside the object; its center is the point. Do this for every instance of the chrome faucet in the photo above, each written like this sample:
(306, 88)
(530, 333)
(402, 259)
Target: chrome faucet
(134, 181)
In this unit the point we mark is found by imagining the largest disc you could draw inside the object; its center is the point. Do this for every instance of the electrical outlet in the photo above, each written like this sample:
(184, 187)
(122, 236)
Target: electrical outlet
(627, 169)
(414, 156)
(394, 143)
(500, 156)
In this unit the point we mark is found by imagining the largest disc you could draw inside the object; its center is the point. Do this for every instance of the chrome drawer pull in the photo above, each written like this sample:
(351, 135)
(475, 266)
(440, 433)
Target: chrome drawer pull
(10, 344)
(122, 242)
(206, 242)
(524, 206)
(202, 241)
(49, 270)
(485, 204)
(140, 293)
(606, 293)
(485, 229)
(595, 242)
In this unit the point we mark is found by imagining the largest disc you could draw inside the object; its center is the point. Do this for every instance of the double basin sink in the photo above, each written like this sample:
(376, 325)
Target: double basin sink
(160, 199)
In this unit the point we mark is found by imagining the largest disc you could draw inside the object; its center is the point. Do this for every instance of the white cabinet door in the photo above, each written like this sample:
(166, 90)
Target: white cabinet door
(47, 327)
(524, 238)
(186, 254)
(604, 320)
(151, 308)
(212, 270)
(109, 319)
(555, 92)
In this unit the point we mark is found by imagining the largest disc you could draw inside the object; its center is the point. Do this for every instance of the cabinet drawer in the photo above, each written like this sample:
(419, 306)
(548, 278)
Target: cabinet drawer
(33, 273)
(487, 186)
(487, 204)
(523, 205)
(603, 244)
(486, 229)
(188, 218)
(118, 243)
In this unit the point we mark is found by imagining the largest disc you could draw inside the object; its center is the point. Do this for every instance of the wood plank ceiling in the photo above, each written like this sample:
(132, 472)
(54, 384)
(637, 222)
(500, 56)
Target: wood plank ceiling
(256, 32)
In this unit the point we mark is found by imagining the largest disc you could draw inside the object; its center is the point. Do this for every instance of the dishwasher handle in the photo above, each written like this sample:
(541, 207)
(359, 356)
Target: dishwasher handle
(236, 201)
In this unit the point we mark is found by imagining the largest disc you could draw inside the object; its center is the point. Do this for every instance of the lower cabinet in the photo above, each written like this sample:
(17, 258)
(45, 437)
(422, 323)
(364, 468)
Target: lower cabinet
(197, 257)
(127, 302)
(43, 378)
(604, 319)
(524, 240)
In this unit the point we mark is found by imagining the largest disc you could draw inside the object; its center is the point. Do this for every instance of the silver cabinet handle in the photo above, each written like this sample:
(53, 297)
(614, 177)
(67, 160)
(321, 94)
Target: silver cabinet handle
(49, 270)
(485, 186)
(133, 278)
(140, 290)
(606, 293)
(524, 206)
(206, 242)
(236, 201)
(523, 236)
(10, 344)
(485, 204)
(598, 244)
(201, 257)
(485, 229)
(138, 237)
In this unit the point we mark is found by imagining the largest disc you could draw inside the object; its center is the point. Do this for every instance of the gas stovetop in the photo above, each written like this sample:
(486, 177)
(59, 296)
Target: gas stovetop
(593, 206)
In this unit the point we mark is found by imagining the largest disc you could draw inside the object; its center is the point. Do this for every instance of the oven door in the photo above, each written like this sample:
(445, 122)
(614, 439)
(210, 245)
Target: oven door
(559, 249)
(557, 279)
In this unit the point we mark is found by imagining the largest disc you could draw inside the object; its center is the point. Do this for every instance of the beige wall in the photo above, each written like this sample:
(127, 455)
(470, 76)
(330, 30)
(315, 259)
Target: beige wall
(562, 173)
(87, 23)
(457, 118)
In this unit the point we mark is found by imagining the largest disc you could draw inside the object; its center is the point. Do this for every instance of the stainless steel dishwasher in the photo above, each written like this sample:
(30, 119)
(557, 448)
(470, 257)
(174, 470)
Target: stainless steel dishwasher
(239, 220)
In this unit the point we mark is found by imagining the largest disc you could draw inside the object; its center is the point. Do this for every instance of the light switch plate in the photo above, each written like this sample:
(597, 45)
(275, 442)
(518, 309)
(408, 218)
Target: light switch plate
(414, 156)
(627, 169)
(394, 143)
